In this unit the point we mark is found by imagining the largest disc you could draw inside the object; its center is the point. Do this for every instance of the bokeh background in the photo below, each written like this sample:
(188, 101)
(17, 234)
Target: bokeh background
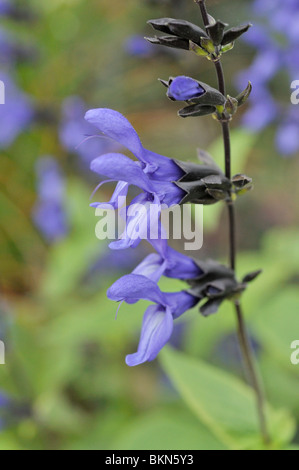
(65, 384)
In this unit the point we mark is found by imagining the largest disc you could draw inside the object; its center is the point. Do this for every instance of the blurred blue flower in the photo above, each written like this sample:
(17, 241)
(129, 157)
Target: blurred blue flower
(7, 48)
(14, 10)
(78, 136)
(137, 46)
(276, 38)
(4, 404)
(227, 350)
(49, 212)
(13, 51)
(6, 8)
(12, 411)
(16, 114)
(113, 262)
(4, 400)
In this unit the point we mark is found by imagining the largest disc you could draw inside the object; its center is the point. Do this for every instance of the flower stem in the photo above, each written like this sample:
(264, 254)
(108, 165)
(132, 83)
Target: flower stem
(246, 349)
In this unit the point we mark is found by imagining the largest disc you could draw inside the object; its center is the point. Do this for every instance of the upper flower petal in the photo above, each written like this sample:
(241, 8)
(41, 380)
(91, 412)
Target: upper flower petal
(119, 167)
(117, 127)
(153, 267)
(156, 331)
(135, 287)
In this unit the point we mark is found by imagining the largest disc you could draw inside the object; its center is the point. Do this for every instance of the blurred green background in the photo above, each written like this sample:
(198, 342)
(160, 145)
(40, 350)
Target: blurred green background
(65, 375)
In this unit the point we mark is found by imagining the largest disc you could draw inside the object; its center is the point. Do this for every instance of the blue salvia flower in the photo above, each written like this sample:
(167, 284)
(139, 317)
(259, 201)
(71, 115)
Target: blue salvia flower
(164, 182)
(277, 44)
(16, 114)
(208, 281)
(154, 174)
(49, 212)
(158, 321)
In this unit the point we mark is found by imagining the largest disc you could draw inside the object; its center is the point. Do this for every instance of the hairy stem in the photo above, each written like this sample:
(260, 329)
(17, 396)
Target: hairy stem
(246, 349)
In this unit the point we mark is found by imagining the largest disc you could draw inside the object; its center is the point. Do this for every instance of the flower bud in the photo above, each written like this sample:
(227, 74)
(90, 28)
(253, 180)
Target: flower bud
(170, 41)
(202, 99)
(184, 89)
(203, 184)
(244, 95)
(180, 28)
(217, 283)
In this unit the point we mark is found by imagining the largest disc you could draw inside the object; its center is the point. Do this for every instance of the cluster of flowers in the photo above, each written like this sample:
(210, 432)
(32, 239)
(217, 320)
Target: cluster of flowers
(163, 180)
(275, 37)
(166, 181)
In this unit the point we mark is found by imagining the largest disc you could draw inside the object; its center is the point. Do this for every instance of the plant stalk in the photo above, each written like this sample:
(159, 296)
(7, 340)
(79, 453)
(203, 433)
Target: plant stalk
(246, 349)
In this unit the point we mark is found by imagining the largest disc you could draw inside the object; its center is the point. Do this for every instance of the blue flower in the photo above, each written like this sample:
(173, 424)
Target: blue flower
(16, 114)
(114, 125)
(49, 213)
(158, 319)
(154, 174)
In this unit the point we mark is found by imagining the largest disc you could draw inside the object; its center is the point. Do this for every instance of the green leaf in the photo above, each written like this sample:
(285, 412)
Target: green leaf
(175, 430)
(223, 403)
